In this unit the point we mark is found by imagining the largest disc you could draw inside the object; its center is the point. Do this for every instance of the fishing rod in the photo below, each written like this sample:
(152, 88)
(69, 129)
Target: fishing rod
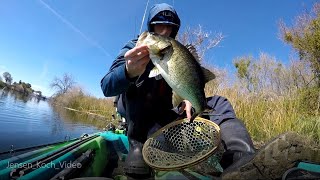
(12, 150)
(20, 171)
(144, 15)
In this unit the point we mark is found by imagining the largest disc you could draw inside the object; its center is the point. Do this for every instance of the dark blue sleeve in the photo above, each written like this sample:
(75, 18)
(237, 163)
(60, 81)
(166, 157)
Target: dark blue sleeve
(223, 109)
(116, 82)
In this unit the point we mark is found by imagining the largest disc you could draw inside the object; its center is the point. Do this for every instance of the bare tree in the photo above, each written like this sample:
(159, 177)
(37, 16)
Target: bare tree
(266, 74)
(7, 77)
(63, 84)
(200, 39)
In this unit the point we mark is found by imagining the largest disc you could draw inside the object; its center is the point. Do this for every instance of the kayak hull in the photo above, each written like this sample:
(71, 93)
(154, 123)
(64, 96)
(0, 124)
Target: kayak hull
(94, 156)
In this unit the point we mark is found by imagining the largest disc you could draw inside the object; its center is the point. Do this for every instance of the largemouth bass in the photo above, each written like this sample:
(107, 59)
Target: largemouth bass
(179, 66)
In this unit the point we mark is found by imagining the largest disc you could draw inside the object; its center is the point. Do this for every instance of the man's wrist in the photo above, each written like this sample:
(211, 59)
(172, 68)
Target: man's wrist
(131, 79)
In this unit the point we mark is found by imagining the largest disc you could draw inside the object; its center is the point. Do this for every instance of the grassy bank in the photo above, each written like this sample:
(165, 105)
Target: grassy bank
(268, 116)
(265, 115)
(84, 107)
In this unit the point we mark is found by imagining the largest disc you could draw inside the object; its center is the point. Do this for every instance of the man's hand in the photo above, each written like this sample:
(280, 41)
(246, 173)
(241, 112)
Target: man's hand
(186, 106)
(136, 60)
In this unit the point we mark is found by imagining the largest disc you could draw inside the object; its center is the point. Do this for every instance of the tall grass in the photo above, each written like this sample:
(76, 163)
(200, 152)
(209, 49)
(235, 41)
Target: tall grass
(269, 111)
(267, 117)
(286, 104)
(82, 106)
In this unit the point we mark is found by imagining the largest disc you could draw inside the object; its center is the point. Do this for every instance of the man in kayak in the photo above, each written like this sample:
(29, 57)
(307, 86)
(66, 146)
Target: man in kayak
(146, 101)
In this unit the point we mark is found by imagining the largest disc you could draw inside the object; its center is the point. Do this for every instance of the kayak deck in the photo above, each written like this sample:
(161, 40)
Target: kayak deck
(100, 155)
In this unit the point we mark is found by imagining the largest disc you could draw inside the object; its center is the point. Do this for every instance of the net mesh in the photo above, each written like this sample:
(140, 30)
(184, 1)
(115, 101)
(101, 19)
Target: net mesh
(182, 144)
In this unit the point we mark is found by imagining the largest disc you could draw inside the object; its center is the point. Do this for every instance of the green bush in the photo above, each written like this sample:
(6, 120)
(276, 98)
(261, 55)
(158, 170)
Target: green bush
(309, 100)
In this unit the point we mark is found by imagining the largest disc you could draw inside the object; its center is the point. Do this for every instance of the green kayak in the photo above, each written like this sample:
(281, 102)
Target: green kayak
(98, 155)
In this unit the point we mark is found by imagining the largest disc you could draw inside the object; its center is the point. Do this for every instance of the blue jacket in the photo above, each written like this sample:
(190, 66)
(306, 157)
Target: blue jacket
(146, 100)
(115, 81)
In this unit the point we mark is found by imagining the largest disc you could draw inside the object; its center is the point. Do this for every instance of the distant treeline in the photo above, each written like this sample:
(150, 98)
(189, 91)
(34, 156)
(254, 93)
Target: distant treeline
(21, 87)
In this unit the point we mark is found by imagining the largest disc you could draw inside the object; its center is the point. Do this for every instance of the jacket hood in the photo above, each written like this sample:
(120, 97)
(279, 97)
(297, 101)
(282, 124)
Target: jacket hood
(156, 9)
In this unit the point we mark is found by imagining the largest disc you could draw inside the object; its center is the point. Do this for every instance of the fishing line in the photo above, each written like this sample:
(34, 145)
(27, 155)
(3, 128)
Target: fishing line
(144, 15)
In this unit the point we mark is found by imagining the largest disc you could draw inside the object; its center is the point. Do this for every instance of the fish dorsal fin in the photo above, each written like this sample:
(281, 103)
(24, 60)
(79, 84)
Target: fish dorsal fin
(154, 72)
(176, 99)
(193, 51)
(207, 74)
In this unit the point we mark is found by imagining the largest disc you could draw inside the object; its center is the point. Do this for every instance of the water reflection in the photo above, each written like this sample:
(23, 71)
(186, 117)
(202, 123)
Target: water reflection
(27, 121)
(81, 118)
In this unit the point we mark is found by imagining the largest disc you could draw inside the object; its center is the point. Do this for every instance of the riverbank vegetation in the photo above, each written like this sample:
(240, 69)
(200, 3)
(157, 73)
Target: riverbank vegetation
(72, 98)
(76, 101)
(21, 87)
(275, 103)
(269, 96)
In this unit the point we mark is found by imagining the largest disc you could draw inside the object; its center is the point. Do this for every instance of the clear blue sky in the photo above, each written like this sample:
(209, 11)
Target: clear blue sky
(43, 39)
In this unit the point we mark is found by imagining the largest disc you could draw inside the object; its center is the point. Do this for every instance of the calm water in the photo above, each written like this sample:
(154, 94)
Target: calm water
(26, 122)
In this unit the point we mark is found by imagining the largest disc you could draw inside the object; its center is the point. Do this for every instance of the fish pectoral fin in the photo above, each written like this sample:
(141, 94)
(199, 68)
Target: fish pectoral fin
(207, 74)
(154, 72)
